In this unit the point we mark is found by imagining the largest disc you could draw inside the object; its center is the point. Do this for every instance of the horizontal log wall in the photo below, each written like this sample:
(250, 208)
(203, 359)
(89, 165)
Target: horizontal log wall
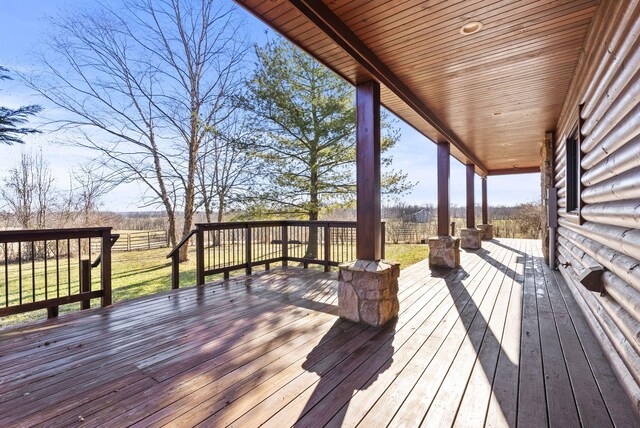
(607, 85)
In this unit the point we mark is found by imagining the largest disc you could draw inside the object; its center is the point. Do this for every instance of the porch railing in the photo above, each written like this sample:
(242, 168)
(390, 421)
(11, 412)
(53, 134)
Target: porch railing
(43, 269)
(222, 248)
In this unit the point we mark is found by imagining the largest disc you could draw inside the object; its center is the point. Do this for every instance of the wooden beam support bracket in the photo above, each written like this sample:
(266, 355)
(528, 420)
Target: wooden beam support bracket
(514, 170)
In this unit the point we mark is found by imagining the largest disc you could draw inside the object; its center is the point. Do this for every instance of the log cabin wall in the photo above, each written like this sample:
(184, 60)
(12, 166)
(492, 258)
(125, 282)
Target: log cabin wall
(604, 103)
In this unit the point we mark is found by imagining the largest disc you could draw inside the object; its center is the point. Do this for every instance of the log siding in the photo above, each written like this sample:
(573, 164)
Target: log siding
(607, 84)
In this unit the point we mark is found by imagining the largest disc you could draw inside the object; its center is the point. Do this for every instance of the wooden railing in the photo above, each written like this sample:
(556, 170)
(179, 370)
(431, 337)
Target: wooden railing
(43, 269)
(222, 248)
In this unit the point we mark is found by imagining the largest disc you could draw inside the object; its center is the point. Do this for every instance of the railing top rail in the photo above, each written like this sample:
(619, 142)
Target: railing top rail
(7, 236)
(258, 223)
(238, 224)
(181, 243)
(319, 223)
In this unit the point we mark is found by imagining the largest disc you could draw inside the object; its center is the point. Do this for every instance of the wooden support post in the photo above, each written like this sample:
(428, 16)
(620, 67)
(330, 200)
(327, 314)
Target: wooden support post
(52, 312)
(248, 250)
(199, 256)
(368, 228)
(105, 273)
(285, 245)
(485, 205)
(85, 281)
(471, 204)
(175, 271)
(444, 150)
(327, 248)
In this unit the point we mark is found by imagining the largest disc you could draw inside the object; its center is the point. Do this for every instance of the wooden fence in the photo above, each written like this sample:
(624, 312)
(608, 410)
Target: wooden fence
(143, 240)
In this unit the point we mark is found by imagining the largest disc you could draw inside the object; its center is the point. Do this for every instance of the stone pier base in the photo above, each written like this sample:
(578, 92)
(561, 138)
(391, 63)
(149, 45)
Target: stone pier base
(368, 291)
(470, 239)
(444, 251)
(486, 231)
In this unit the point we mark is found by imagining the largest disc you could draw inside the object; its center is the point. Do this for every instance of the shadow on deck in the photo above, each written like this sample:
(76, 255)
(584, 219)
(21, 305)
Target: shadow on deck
(497, 342)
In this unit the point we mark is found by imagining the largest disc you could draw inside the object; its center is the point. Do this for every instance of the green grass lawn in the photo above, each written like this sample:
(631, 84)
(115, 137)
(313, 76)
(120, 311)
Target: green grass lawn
(134, 274)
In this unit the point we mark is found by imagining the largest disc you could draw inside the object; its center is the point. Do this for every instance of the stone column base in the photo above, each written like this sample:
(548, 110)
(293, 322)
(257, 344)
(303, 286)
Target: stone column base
(444, 251)
(368, 291)
(470, 239)
(486, 231)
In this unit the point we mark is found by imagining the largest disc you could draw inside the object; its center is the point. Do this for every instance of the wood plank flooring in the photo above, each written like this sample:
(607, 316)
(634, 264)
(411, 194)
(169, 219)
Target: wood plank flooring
(497, 342)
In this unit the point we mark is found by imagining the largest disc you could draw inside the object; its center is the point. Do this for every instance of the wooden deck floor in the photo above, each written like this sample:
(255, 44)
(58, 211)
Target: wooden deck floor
(498, 342)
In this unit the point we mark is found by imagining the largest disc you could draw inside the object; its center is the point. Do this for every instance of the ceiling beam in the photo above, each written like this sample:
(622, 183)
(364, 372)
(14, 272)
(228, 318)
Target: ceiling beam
(514, 170)
(318, 13)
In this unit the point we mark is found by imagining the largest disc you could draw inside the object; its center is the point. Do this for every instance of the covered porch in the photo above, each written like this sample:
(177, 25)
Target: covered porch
(498, 341)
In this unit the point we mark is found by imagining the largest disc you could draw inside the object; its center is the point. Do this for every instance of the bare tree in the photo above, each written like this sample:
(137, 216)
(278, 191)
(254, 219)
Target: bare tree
(28, 191)
(143, 82)
(226, 168)
(88, 187)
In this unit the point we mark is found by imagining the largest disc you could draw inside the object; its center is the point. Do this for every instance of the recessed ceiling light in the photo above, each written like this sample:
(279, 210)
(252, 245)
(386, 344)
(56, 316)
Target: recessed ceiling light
(471, 27)
(496, 113)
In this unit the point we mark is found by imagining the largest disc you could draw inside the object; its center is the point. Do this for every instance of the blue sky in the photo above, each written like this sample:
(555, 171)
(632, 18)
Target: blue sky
(23, 29)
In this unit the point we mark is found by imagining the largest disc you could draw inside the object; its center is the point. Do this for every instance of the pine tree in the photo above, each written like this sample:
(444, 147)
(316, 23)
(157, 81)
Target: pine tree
(11, 120)
(305, 115)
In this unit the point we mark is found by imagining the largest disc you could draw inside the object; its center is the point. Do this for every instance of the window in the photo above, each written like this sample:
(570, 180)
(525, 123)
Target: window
(573, 173)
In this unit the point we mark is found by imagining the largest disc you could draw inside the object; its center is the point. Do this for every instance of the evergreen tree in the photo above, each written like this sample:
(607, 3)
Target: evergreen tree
(305, 115)
(11, 120)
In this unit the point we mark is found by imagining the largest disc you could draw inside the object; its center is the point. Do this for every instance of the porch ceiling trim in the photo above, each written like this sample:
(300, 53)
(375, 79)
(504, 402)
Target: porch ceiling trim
(320, 15)
(514, 170)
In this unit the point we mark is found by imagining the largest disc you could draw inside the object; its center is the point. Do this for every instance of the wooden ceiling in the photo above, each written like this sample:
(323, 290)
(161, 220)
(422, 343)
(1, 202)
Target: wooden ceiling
(492, 94)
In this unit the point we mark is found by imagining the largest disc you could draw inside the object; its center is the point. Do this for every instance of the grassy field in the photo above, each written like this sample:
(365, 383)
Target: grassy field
(134, 274)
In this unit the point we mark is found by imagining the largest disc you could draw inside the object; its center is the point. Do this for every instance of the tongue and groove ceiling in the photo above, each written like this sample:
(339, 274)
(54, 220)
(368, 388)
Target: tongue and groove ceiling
(493, 94)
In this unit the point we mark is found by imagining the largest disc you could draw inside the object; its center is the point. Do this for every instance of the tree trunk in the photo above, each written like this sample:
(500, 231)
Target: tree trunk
(207, 209)
(217, 233)
(312, 245)
(171, 219)
(189, 197)
(221, 206)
